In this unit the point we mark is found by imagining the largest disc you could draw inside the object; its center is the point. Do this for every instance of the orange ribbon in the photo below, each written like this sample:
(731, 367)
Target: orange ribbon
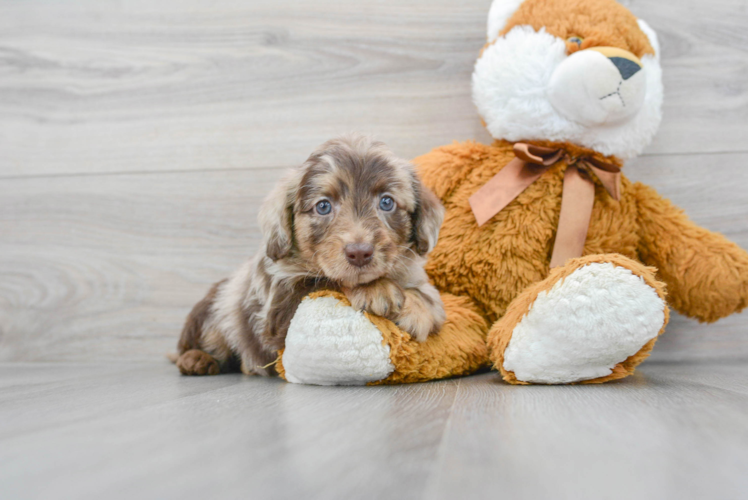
(578, 197)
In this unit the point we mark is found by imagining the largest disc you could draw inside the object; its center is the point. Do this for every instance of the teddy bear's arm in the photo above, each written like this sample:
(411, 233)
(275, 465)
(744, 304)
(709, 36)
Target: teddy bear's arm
(706, 274)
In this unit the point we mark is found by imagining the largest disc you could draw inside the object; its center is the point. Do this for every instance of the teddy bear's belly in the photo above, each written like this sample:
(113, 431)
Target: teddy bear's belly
(494, 263)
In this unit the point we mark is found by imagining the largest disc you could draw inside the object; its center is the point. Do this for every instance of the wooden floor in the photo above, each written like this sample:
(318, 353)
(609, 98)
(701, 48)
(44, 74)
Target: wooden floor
(673, 431)
(137, 140)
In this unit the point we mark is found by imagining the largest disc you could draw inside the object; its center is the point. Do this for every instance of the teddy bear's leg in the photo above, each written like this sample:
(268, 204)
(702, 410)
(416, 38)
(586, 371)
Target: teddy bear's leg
(330, 343)
(592, 320)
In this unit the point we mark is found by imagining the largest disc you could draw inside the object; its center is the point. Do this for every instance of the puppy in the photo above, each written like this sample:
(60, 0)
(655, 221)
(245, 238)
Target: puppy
(352, 218)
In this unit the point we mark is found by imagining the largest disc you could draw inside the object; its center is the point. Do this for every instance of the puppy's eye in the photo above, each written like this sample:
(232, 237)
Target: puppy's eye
(386, 203)
(575, 39)
(323, 207)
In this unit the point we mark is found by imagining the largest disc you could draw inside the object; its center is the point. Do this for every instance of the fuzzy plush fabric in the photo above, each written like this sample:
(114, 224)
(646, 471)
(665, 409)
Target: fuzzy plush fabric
(520, 76)
(596, 317)
(329, 343)
(706, 274)
(458, 349)
(581, 323)
(501, 333)
(601, 23)
(498, 15)
(492, 264)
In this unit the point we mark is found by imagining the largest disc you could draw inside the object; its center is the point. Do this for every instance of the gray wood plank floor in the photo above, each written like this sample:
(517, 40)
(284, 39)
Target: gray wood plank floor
(106, 86)
(138, 138)
(674, 430)
(107, 267)
(136, 142)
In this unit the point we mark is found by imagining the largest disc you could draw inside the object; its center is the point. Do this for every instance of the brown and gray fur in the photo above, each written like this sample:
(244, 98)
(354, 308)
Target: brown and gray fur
(242, 322)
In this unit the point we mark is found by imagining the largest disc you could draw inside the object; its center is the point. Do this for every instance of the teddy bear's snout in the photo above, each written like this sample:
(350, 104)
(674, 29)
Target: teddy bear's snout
(598, 85)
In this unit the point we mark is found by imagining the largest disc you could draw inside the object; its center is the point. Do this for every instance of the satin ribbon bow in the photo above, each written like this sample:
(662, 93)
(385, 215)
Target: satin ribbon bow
(578, 197)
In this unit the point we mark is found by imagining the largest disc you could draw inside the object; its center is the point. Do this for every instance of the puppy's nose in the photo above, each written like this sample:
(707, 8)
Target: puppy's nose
(359, 254)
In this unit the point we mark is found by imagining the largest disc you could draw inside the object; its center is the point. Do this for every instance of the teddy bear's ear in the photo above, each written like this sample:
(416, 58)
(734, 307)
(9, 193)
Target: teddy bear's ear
(501, 11)
(653, 40)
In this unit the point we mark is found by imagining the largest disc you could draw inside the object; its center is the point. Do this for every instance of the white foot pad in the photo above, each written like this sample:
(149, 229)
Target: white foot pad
(332, 344)
(582, 327)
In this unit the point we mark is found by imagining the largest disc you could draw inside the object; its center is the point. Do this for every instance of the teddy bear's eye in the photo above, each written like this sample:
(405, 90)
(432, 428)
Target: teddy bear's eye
(575, 39)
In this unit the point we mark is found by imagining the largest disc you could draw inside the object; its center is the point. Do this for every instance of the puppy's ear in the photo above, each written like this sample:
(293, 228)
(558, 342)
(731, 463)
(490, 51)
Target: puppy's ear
(276, 216)
(427, 218)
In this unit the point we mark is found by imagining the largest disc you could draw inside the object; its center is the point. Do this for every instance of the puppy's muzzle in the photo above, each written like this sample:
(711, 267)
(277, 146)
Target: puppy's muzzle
(359, 254)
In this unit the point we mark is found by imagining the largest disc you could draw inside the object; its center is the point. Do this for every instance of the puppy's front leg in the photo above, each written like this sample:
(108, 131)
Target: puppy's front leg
(382, 297)
(422, 313)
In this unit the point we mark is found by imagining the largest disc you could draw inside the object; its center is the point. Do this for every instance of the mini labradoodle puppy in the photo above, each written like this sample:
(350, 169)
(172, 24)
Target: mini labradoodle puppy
(354, 218)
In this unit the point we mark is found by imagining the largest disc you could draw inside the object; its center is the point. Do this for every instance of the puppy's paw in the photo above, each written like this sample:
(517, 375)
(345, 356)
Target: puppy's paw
(381, 297)
(422, 314)
(197, 362)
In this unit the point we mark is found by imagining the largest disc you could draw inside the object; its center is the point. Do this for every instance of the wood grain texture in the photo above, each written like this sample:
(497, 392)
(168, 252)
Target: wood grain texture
(670, 431)
(174, 85)
(142, 431)
(107, 266)
(138, 138)
(104, 86)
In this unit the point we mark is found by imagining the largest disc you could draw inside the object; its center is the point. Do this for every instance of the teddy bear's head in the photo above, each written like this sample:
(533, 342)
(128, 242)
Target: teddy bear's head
(579, 71)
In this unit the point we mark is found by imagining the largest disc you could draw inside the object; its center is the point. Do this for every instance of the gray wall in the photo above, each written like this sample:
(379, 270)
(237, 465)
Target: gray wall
(137, 139)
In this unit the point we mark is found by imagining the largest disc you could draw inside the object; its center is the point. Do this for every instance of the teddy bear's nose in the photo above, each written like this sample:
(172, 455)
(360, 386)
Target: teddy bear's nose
(626, 67)
(625, 62)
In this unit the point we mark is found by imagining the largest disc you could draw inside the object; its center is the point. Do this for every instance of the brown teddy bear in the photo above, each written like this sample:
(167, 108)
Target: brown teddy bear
(552, 265)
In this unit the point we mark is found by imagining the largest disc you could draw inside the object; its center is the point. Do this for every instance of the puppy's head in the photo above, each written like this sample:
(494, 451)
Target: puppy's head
(352, 211)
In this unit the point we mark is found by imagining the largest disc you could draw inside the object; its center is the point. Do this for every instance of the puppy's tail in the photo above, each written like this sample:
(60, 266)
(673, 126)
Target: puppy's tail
(172, 356)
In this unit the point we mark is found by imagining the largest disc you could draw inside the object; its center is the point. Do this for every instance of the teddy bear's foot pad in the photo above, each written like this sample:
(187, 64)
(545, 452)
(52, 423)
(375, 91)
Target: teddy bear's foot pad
(329, 343)
(584, 325)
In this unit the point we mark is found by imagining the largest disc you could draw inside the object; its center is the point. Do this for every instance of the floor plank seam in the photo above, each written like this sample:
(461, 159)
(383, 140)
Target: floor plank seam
(276, 167)
(693, 153)
(67, 175)
(440, 452)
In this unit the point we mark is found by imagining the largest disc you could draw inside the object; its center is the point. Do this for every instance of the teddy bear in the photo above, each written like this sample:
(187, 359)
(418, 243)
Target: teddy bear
(553, 267)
